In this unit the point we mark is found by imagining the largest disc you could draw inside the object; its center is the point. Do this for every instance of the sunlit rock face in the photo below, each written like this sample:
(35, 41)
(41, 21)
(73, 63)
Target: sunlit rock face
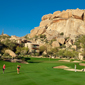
(70, 22)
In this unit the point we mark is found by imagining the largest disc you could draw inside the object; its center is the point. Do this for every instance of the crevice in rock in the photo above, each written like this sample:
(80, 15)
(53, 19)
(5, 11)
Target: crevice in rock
(83, 16)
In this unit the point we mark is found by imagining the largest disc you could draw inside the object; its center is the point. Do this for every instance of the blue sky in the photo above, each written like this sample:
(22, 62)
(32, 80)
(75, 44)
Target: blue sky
(19, 17)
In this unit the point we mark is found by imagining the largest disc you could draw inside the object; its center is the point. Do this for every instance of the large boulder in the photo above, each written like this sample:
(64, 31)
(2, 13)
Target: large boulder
(74, 47)
(46, 22)
(37, 31)
(51, 34)
(68, 13)
(48, 16)
(62, 15)
(10, 52)
(78, 12)
(34, 32)
(80, 56)
(67, 45)
(55, 44)
(55, 14)
(41, 30)
(61, 40)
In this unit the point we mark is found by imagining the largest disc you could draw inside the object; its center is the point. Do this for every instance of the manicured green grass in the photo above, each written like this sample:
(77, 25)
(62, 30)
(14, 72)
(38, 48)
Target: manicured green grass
(39, 71)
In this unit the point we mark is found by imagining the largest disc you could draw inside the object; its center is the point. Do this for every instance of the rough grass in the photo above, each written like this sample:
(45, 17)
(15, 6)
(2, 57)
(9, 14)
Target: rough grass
(39, 71)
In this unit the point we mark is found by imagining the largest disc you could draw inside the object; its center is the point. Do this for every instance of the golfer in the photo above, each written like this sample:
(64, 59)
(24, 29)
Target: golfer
(4, 68)
(18, 68)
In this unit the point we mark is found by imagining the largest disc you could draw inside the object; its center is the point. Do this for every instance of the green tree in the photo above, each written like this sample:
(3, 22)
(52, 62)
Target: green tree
(61, 53)
(18, 50)
(80, 43)
(21, 50)
(68, 54)
(53, 51)
(24, 50)
(42, 48)
(75, 54)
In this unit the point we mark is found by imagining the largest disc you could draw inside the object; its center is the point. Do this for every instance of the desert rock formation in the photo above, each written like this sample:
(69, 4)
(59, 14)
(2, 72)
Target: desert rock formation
(70, 22)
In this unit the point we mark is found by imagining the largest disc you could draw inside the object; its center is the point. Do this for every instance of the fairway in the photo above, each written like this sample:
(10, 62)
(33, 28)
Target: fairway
(39, 71)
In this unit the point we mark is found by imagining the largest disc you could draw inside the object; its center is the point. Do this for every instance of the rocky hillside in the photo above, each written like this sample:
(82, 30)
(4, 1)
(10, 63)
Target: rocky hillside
(70, 23)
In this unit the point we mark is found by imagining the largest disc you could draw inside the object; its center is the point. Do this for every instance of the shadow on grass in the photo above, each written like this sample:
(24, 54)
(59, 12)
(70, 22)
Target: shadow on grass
(9, 72)
(26, 59)
(31, 61)
(34, 61)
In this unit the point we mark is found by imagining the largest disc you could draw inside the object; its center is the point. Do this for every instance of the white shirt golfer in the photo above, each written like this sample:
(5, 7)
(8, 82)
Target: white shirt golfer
(75, 67)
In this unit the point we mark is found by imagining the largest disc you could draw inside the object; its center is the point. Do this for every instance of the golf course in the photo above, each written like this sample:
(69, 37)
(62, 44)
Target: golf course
(40, 71)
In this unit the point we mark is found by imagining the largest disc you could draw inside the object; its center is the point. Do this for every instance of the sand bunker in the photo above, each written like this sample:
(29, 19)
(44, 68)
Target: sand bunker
(71, 61)
(65, 60)
(67, 68)
(82, 64)
(76, 61)
(73, 69)
(61, 67)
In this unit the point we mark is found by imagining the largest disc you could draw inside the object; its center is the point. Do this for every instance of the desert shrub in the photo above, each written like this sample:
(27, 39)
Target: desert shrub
(36, 37)
(51, 41)
(61, 33)
(26, 36)
(6, 55)
(42, 48)
(50, 53)
(44, 55)
(42, 39)
(4, 37)
(42, 36)
(46, 41)
(63, 46)
(22, 45)
(66, 38)
(60, 53)
(36, 54)
(71, 59)
(24, 50)
(3, 50)
(53, 51)
(68, 54)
